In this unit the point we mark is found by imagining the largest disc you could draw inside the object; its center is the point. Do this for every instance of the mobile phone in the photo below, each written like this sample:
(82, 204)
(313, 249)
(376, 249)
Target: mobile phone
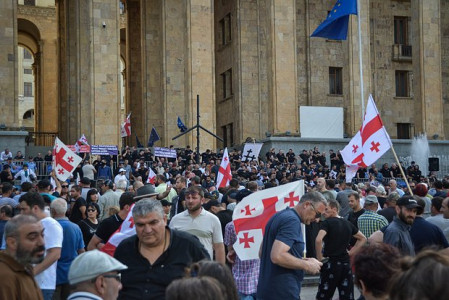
(325, 260)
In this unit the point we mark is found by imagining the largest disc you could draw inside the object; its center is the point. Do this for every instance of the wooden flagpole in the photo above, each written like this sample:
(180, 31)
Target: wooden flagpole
(400, 168)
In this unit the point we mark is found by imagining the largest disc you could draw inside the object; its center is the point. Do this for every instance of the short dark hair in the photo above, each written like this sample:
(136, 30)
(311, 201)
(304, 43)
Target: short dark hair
(161, 178)
(32, 199)
(330, 183)
(437, 202)
(26, 186)
(127, 198)
(6, 187)
(334, 204)
(77, 188)
(195, 189)
(7, 210)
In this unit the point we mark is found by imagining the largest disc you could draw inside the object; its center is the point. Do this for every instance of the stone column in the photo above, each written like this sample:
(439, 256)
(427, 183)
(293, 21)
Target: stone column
(200, 68)
(355, 99)
(90, 69)
(282, 66)
(8, 63)
(427, 89)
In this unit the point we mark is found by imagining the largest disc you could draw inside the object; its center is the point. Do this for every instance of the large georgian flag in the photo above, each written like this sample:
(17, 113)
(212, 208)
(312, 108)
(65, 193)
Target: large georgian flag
(224, 172)
(369, 143)
(125, 230)
(64, 160)
(253, 212)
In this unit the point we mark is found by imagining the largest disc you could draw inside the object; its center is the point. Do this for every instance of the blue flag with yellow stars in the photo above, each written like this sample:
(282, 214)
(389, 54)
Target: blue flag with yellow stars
(181, 125)
(335, 27)
(154, 137)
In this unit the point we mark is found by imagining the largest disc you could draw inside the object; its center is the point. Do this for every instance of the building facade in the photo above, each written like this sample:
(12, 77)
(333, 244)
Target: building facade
(252, 62)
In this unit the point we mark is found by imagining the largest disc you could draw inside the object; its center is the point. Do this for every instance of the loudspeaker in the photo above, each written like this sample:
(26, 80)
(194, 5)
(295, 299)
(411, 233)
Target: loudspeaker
(434, 164)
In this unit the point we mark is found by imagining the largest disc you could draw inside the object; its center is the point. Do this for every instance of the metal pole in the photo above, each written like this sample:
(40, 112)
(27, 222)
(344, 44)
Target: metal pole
(360, 58)
(197, 129)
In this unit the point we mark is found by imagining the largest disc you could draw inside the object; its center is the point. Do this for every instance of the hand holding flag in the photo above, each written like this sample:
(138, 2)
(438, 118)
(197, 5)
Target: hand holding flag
(64, 160)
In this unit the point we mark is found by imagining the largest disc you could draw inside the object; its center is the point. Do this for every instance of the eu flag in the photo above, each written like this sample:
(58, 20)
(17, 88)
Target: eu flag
(181, 125)
(335, 27)
(138, 143)
(154, 137)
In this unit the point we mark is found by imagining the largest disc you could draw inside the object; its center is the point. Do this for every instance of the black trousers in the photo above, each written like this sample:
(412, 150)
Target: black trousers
(336, 274)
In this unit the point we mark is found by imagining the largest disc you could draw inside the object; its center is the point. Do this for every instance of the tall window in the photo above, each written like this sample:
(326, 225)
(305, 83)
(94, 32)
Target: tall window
(28, 89)
(403, 130)
(226, 79)
(228, 135)
(27, 71)
(402, 84)
(335, 81)
(225, 30)
(401, 30)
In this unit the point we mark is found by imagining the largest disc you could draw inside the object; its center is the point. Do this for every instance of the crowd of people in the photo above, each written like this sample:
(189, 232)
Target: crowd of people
(60, 242)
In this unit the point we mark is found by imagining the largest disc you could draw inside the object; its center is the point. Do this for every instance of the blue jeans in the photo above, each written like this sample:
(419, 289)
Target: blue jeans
(48, 294)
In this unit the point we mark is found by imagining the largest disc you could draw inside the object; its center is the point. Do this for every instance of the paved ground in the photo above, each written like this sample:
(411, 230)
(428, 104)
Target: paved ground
(310, 287)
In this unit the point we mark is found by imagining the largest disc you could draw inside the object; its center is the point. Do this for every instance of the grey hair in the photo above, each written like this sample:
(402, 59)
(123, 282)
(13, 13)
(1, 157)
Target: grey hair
(146, 206)
(121, 184)
(393, 197)
(13, 225)
(314, 197)
(59, 206)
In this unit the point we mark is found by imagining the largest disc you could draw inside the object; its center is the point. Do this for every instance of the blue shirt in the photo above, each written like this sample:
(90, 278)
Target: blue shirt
(425, 234)
(71, 243)
(276, 282)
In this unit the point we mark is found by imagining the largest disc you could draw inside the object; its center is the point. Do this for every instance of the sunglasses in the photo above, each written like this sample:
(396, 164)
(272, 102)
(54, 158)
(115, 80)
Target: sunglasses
(117, 277)
(91, 210)
(64, 186)
(317, 213)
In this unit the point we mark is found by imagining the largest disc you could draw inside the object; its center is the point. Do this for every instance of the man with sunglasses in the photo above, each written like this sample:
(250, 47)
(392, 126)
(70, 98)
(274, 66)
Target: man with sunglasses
(282, 264)
(336, 233)
(95, 275)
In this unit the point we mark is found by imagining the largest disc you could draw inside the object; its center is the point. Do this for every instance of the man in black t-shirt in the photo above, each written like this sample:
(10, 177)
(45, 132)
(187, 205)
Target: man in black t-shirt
(357, 211)
(336, 233)
(78, 205)
(109, 225)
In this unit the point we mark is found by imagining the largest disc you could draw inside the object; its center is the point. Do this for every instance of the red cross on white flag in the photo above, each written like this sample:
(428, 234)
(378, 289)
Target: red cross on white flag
(369, 143)
(125, 129)
(253, 212)
(224, 172)
(64, 160)
(151, 177)
(125, 230)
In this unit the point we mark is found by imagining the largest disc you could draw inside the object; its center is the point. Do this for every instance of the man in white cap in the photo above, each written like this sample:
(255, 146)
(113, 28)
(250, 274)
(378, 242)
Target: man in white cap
(120, 176)
(95, 275)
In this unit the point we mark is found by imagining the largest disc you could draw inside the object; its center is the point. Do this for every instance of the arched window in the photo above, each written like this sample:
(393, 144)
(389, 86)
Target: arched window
(29, 114)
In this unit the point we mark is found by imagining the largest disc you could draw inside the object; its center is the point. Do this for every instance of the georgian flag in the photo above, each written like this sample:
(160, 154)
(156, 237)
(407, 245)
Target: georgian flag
(151, 177)
(369, 143)
(252, 214)
(125, 129)
(125, 230)
(64, 160)
(251, 151)
(82, 141)
(224, 172)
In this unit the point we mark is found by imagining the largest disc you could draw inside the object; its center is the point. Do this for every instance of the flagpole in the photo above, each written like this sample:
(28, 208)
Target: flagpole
(400, 168)
(360, 58)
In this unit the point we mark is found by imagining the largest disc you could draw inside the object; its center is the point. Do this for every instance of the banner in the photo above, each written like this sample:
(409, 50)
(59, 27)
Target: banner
(82, 148)
(104, 149)
(165, 152)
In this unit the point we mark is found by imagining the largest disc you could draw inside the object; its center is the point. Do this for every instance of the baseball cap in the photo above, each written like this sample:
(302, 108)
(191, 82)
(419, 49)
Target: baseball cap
(91, 264)
(371, 199)
(121, 170)
(407, 201)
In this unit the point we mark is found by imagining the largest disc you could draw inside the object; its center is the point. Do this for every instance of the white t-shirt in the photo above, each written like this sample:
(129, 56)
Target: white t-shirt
(206, 227)
(88, 171)
(53, 239)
